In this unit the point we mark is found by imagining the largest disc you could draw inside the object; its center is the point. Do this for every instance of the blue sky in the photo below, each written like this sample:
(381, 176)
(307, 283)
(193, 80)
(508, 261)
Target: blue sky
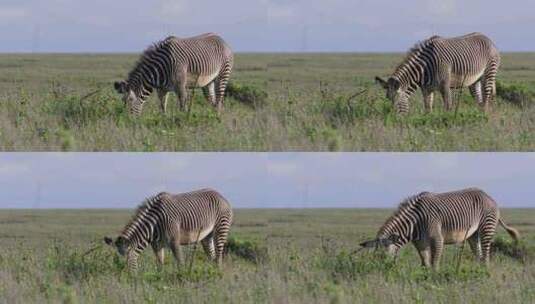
(259, 180)
(259, 25)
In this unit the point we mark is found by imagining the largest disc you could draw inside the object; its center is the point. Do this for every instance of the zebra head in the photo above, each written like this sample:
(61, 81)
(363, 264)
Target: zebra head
(395, 93)
(120, 243)
(132, 101)
(389, 243)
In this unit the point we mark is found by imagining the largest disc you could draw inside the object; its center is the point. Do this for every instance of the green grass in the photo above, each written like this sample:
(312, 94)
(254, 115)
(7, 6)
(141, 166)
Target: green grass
(281, 102)
(288, 256)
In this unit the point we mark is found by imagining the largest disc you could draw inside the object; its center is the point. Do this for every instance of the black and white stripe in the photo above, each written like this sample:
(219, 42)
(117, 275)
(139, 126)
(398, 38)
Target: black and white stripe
(430, 220)
(168, 220)
(439, 64)
(176, 64)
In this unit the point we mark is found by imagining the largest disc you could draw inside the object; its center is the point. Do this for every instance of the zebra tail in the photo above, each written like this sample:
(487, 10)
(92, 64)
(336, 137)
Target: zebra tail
(512, 231)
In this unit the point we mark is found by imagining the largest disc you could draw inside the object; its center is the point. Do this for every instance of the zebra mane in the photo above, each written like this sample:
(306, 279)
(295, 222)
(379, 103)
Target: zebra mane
(145, 207)
(416, 49)
(410, 201)
(148, 53)
(405, 205)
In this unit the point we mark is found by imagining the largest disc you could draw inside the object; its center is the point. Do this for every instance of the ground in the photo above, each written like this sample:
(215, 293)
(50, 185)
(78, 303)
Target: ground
(297, 256)
(67, 102)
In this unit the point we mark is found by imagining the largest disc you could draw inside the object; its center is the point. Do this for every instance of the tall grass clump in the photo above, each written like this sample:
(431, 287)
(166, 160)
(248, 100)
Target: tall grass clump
(247, 94)
(519, 94)
(249, 250)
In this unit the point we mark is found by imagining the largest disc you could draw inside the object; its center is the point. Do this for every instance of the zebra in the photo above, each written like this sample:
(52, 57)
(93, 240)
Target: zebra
(168, 220)
(439, 64)
(430, 220)
(176, 64)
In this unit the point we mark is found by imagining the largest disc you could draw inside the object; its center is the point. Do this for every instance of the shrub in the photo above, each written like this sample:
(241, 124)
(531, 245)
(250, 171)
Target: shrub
(517, 93)
(518, 251)
(75, 265)
(248, 249)
(81, 111)
(247, 95)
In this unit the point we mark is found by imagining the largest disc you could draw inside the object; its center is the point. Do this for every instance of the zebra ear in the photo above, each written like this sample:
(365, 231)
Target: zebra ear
(394, 84)
(120, 86)
(381, 82)
(108, 240)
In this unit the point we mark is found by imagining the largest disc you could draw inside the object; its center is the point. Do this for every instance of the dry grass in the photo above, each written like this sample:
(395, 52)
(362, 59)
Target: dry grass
(67, 103)
(44, 258)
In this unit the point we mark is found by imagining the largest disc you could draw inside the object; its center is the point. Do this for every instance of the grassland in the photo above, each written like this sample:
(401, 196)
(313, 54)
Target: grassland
(66, 103)
(44, 258)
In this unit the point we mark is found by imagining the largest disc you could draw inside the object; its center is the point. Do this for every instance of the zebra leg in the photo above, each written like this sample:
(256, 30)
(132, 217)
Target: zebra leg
(160, 254)
(131, 261)
(428, 100)
(475, 245)
(182, 97)
(209, 247)
(475, 91)
(436, 241)
(222, 81)
(209, 93)
(489, 84)
(487, 231)
(162, 95)
(424, 252)
(446, 95)
(220, 240)
(177, 251)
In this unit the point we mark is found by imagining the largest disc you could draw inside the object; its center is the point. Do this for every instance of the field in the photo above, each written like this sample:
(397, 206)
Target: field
(295, 256)
(66, 102)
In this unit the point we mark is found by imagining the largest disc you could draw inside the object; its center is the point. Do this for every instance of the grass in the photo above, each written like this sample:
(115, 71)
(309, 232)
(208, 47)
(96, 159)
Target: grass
(283, 256)
(277, 102)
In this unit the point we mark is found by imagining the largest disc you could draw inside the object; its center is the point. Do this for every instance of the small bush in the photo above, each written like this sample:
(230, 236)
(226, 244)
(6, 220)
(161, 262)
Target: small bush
(247, 249)
(347, 110)
(350, 266)
(518, 251)
(247, 95)
(76, 265)
(517, 93)
(84, 110)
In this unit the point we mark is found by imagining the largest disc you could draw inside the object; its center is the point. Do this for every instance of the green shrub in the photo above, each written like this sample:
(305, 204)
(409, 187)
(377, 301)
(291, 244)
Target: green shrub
(347, 110)
(517, 93)
(75, 265)
(84, 110)
(248, 95)
(518, 251)
(249, 250)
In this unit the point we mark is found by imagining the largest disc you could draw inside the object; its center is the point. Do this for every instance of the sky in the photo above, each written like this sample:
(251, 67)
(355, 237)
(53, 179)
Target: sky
(260, 180)
(260, 25)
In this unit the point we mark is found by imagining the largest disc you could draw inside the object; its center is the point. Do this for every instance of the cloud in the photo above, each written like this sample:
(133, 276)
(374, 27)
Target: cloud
(442, 8)
(11, 14)
(173, 11)
(282, 168)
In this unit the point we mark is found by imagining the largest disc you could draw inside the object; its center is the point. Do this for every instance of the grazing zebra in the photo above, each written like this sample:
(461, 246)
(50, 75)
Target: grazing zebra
(430, 220)
(168, 220)
(442, 63)
(176, 64)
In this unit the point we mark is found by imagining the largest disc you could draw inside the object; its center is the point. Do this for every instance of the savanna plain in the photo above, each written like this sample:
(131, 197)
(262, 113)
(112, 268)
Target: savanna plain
(274, 256)
(276, 102)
